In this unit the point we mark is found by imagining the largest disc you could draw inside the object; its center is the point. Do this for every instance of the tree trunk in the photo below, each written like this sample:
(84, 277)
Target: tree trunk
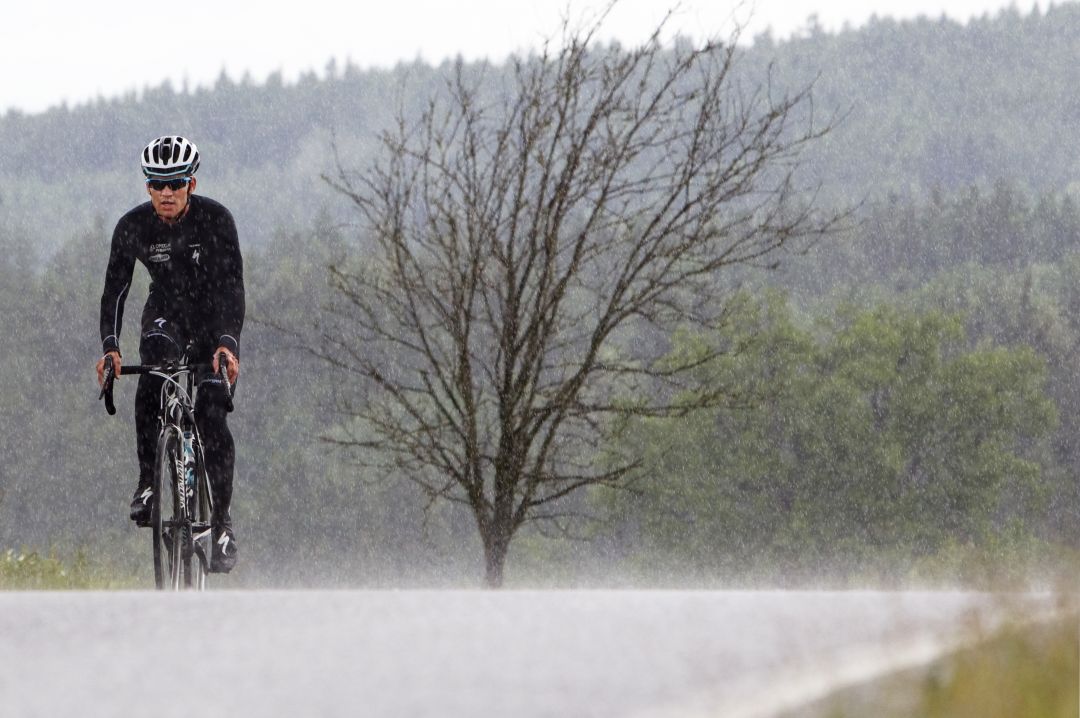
(496, 546)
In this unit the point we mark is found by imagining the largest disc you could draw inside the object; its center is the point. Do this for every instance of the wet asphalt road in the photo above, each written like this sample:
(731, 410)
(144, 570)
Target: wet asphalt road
(414, 654)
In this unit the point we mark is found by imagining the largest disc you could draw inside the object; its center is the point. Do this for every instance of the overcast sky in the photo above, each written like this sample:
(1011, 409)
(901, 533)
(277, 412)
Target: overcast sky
(53, 51)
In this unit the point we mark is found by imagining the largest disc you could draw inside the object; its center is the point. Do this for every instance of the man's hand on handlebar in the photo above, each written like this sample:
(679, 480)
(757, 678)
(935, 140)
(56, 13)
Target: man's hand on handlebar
(101, 367)
(232, 364)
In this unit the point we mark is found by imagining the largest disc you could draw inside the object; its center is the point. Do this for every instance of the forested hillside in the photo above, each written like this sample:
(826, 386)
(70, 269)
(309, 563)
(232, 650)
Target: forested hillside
(926, 105)
(907, 393)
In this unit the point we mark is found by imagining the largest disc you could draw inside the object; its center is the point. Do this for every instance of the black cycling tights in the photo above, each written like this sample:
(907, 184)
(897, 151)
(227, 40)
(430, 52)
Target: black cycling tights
(210, 417)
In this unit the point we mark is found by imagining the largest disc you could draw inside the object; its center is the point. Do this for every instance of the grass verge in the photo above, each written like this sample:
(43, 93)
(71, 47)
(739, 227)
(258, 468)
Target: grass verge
(30, 570)
(1028, 670)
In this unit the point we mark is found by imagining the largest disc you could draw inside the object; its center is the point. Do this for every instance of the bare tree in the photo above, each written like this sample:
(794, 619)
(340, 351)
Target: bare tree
(525, 229)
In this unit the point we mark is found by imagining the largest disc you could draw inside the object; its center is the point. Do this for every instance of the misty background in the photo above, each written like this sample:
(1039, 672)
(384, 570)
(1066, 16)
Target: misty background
(918, 419)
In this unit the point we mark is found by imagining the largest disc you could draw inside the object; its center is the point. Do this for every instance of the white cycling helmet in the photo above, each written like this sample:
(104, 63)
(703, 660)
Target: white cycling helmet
(170, 156)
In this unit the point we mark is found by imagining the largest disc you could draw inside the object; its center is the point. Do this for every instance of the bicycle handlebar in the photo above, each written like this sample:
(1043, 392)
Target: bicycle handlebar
(110, 377)
(164, 368)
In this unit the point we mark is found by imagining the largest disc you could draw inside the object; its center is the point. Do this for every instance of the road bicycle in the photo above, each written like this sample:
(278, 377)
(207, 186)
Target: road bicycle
(181, 504)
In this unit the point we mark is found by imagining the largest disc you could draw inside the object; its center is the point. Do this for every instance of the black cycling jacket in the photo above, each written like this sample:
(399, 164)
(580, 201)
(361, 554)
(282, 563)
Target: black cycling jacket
(195, 270)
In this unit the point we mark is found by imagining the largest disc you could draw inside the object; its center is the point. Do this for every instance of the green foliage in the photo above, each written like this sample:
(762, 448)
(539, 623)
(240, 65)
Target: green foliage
(871, 440)
(1011, 559)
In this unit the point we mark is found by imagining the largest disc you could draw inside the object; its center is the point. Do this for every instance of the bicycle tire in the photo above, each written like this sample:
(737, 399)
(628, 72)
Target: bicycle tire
(199, 506)
(165, 516)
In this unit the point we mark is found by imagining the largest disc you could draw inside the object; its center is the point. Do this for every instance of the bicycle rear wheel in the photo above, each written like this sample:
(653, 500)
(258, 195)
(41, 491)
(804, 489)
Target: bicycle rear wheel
(165, 515)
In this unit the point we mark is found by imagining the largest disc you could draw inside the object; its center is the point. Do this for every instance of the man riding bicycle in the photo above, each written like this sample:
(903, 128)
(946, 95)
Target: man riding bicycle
(188, 244)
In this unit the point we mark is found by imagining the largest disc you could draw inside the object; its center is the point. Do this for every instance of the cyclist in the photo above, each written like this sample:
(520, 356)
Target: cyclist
(188, 244)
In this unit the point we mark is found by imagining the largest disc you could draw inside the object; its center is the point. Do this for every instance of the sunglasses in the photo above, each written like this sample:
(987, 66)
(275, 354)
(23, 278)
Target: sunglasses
(174, 184)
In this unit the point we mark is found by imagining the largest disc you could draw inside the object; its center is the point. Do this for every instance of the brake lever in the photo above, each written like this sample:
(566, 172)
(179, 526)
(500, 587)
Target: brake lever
(107, 386)
(223, 372)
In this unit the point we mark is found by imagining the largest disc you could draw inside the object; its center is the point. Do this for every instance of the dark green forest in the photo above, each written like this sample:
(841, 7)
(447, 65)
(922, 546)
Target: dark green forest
(903, 402)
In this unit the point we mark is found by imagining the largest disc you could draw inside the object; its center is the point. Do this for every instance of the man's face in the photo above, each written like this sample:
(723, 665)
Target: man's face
(170, 197)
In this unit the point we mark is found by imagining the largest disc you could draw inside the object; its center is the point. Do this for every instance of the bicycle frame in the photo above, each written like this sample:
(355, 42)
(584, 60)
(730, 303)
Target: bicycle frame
(178, 415)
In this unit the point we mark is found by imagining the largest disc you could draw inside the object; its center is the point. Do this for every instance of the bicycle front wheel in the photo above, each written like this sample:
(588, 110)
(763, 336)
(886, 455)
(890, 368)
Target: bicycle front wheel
(199, 508)
(165, 514)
